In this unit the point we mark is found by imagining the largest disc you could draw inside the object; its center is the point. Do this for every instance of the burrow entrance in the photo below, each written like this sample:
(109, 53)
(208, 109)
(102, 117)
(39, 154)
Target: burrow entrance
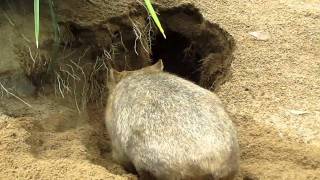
(176, 59)
(194, 49)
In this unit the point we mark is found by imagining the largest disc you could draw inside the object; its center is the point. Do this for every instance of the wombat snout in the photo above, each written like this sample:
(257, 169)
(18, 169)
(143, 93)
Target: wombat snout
(168, 127)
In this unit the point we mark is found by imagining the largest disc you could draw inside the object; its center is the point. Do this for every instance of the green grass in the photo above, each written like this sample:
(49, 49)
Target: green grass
(154, 16)
(37, 19)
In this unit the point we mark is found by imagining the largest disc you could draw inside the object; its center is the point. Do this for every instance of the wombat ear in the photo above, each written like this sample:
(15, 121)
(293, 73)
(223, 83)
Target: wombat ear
(158, 66)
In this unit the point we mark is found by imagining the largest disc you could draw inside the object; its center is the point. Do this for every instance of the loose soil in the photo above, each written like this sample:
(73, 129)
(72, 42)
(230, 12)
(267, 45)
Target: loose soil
(273, 95)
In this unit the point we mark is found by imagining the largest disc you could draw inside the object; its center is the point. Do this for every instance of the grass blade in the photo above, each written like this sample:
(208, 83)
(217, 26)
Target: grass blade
(154, 16)
(37, 20)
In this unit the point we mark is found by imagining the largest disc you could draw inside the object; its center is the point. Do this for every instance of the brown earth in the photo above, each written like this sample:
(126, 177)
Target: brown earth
(273, 97)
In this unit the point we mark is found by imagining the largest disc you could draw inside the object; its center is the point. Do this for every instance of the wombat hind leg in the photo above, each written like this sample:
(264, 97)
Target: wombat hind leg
(123, 160)
(230, 176)
(205, 177)
(146, 175)
(128, 166)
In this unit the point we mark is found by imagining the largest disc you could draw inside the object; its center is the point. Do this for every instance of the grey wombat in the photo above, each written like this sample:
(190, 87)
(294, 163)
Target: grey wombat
(169, 128)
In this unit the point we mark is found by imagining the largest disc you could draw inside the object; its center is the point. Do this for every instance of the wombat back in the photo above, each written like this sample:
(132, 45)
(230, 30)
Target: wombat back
(170, 128)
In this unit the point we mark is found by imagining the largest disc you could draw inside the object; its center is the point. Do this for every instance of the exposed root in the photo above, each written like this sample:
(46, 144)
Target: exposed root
(151, 33)
(96, 88)
(31, 56)
(138, 35)
(84, 81)
(123, 45)
(12, 94)
(9, 19)
(141, 35)
(35, 64)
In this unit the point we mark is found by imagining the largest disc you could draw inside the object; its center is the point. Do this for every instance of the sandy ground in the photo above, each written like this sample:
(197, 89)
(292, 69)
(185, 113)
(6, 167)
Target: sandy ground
(273, 97)
(274, 94)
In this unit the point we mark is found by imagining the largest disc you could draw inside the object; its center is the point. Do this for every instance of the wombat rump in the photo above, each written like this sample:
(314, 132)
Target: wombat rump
(168, 128)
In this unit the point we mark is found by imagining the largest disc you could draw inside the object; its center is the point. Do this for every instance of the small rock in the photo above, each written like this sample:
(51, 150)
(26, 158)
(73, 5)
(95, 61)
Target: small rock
(260, 35)
(298, 112)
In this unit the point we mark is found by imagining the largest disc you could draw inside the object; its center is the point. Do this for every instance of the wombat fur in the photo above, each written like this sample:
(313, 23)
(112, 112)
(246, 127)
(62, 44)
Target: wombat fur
(168, 128)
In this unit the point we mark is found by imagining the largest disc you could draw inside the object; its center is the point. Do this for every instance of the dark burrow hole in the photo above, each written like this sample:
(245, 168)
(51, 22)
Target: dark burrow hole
(177, 55)
(195, 49)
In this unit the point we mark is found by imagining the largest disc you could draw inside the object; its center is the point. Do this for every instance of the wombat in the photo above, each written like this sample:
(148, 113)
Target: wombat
(168, 128)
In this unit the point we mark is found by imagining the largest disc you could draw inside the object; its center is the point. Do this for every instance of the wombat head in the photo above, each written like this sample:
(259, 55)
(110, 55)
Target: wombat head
(114, 76)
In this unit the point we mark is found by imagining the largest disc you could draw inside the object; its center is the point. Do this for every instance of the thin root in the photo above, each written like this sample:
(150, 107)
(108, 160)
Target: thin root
(8, 92)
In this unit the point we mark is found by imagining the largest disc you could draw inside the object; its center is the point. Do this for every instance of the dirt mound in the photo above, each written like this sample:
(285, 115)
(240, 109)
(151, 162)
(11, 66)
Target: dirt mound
(54, 141)
(273, 92)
